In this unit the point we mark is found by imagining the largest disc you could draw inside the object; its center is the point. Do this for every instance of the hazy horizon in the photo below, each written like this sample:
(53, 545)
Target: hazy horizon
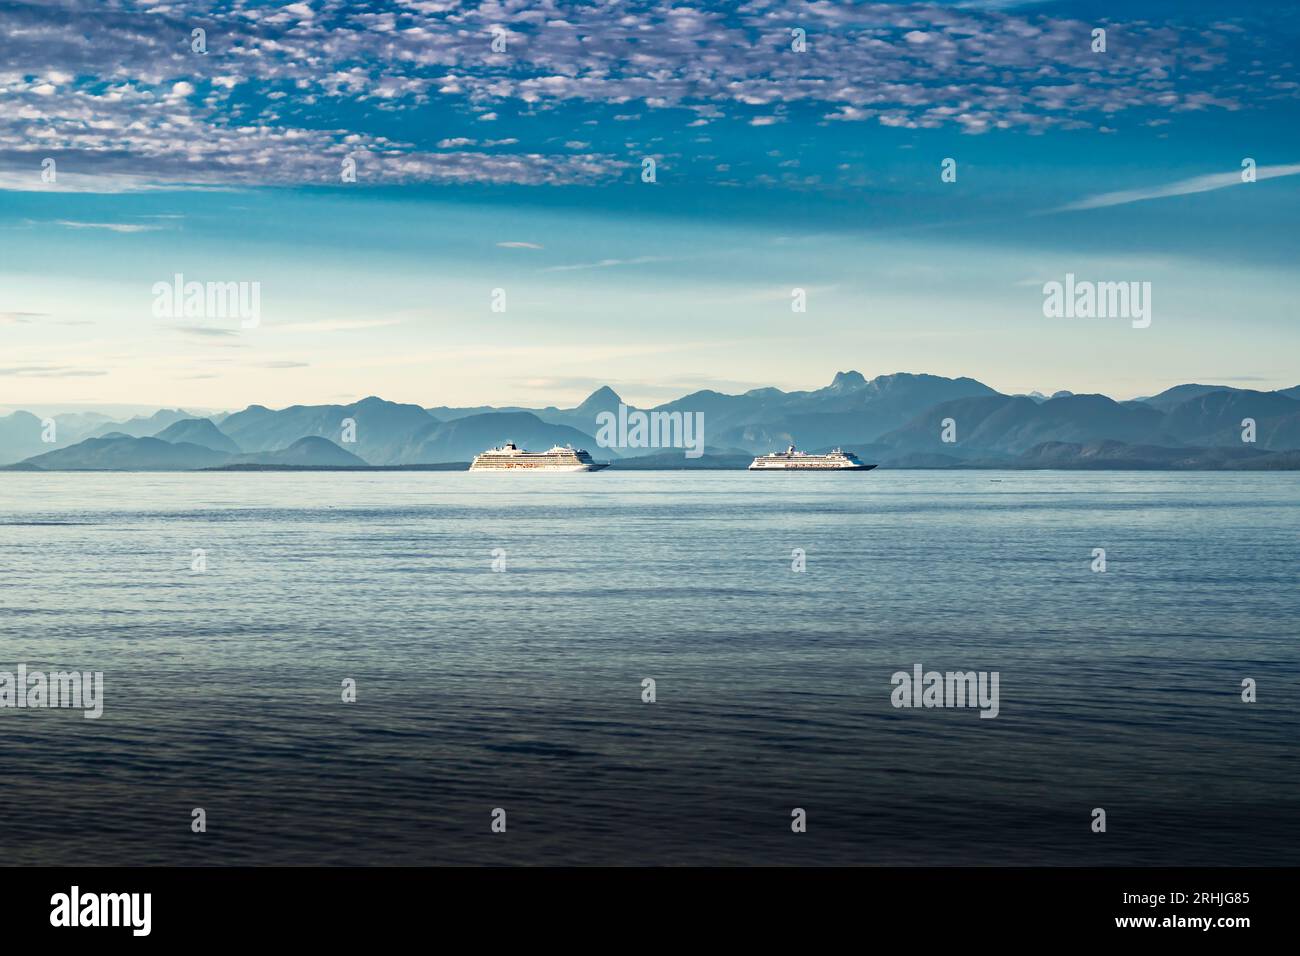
(129, 410)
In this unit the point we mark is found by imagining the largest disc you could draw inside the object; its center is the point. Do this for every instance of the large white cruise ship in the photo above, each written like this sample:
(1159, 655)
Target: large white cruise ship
(791, 460)
(510, 457)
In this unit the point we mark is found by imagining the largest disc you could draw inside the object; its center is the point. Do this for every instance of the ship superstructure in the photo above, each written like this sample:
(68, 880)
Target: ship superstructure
(792, 460)
(510, 457)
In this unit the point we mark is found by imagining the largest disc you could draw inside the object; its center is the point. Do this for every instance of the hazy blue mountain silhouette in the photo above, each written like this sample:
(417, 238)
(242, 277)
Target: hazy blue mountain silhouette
(20, 437)
(852, 409)
(1118, 454)
(310, 451)
(1181, 393)
(1216, 418)
(142, 426)
(383, 428)
(462, 438)
(1011, 425)
(21, 433)
(199, 431)
(74, 426)
(891, 418)
(119, 452)
(581, 417)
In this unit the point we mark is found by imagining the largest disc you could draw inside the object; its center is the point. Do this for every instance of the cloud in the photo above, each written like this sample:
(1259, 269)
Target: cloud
(14, 318)
(1183, 187)
(775, 294)
(23, 179)
(50, 371)
(519, 245)
(110, 226)
(206, 332)
(315, 158)
(334, 325)
(608, 263)
(127, 106)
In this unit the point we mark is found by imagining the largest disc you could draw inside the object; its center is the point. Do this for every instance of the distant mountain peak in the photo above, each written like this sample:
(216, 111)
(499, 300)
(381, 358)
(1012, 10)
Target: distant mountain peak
(313, 441)
(310, 450)
(198, 431)
(601, 398)
(845, 381)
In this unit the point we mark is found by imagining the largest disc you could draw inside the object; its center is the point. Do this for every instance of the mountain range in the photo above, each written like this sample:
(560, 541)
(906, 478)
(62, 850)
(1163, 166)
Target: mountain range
(899, 420)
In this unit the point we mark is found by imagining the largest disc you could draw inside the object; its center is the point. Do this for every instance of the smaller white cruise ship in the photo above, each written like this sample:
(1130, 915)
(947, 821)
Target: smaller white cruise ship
(510, 457)
(791, 460)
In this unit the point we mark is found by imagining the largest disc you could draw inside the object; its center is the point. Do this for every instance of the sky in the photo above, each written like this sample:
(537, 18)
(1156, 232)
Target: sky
(500, 156)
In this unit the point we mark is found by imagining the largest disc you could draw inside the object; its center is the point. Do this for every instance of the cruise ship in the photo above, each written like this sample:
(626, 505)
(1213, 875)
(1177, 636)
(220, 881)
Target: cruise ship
(791, 460)
(510, 457)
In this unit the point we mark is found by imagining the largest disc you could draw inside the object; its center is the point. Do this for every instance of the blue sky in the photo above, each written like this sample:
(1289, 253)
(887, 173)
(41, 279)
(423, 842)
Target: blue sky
(521, 170)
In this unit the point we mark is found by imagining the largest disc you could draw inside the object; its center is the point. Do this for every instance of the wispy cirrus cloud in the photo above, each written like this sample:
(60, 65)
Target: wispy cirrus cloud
(608, 264)
(1183, 187)
(214, 335)
(126, 227)
(49, 371)
(334, 325)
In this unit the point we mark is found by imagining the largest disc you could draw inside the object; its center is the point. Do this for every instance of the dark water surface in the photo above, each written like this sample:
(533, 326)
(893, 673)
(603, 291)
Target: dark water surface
(522, 689)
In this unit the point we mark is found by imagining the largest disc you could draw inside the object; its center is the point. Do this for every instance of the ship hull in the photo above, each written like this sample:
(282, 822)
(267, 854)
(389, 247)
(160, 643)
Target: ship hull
(542, 468)
(787, 469)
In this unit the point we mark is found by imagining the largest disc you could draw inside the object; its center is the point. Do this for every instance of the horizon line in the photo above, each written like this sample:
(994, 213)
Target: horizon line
(146, 409)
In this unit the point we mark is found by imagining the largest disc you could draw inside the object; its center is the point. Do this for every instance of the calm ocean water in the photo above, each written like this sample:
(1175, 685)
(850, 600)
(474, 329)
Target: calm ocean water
(522, 689)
